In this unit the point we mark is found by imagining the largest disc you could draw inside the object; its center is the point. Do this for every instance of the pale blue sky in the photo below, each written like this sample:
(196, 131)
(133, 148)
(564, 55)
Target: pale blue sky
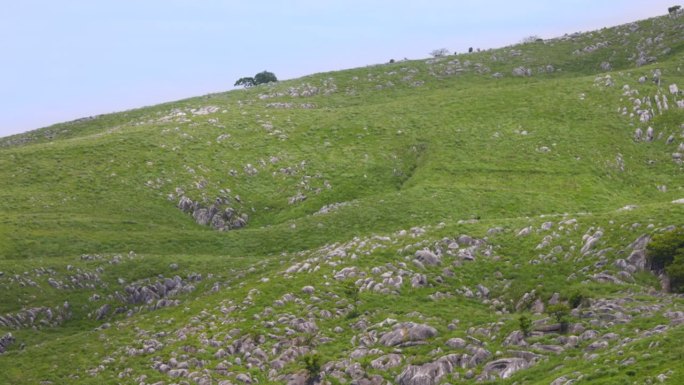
(63, 60)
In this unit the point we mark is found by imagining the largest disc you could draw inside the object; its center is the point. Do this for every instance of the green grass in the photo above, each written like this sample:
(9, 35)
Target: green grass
(435, 144)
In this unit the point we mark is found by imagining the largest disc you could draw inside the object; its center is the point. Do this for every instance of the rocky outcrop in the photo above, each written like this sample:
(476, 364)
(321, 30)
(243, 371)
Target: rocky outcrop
(637, 257)
(152, 295)
(37, 317)
(218, 215)
(5, 342)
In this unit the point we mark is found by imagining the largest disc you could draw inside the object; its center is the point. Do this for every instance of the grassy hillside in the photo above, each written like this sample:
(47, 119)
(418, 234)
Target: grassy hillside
(519, 170)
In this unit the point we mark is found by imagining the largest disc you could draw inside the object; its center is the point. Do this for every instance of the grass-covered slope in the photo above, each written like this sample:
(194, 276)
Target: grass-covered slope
(530, 150)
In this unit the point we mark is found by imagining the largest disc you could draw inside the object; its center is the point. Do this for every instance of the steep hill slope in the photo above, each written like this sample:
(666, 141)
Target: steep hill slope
(382, 224)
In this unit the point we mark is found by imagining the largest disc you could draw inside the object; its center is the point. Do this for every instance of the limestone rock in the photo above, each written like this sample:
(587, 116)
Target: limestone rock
(387, 361)
(524, 232)
(430, 373)
(102, 311)
(516, 338)
(407, 334)
(5, 342)
(522, 71)
(504, 367)
(308, 290)
(456, 343)
(426, 257)
(244, 378)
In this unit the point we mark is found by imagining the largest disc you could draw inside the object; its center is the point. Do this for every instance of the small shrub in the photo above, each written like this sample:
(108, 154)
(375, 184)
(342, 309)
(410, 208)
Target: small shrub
(676, 273)
(661, 250)
(561, 312)
(531, 39)
(525, 325)
(666, 252)
(351, 291)
(353, 314)
(441, 52)
(366, 363)
(312, 365)
(578, 299)
(310, 339)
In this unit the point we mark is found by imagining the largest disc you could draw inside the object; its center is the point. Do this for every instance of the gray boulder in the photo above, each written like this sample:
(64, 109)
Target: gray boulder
(522, 71)
(478, 356)
(483, 290)
(428, 258)
(524, 232)
(504, 367)
(244, 378)
(516, 338)
(186, 205)
(308, 290)
(456, 343)
(387, 361)
(304, 326)
(102, 311)
(406, 334)
(202, 216)
(419, 280)
(6, 341)
(591, 242)
(596, 345)
(466, 240)
(298, 379)
(430, 373)
(537, 306)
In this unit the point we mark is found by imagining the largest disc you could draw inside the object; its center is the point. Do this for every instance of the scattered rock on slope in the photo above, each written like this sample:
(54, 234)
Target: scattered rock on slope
(430, 373)
(406, 334)
(5, 342)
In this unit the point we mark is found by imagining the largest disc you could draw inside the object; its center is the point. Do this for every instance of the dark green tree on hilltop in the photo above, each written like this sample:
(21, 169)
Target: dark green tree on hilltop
(265, 77)
(245, 82)
(260, 78)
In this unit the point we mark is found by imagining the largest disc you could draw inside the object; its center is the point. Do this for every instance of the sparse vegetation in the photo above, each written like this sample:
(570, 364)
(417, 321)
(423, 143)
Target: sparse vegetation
(531, 39)
(578, 298)
(440, 52)
(525, 324)
(312, 365)
(561, 313)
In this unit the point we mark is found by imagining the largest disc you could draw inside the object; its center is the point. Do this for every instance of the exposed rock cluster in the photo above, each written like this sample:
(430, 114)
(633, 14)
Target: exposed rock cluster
(216, 215)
